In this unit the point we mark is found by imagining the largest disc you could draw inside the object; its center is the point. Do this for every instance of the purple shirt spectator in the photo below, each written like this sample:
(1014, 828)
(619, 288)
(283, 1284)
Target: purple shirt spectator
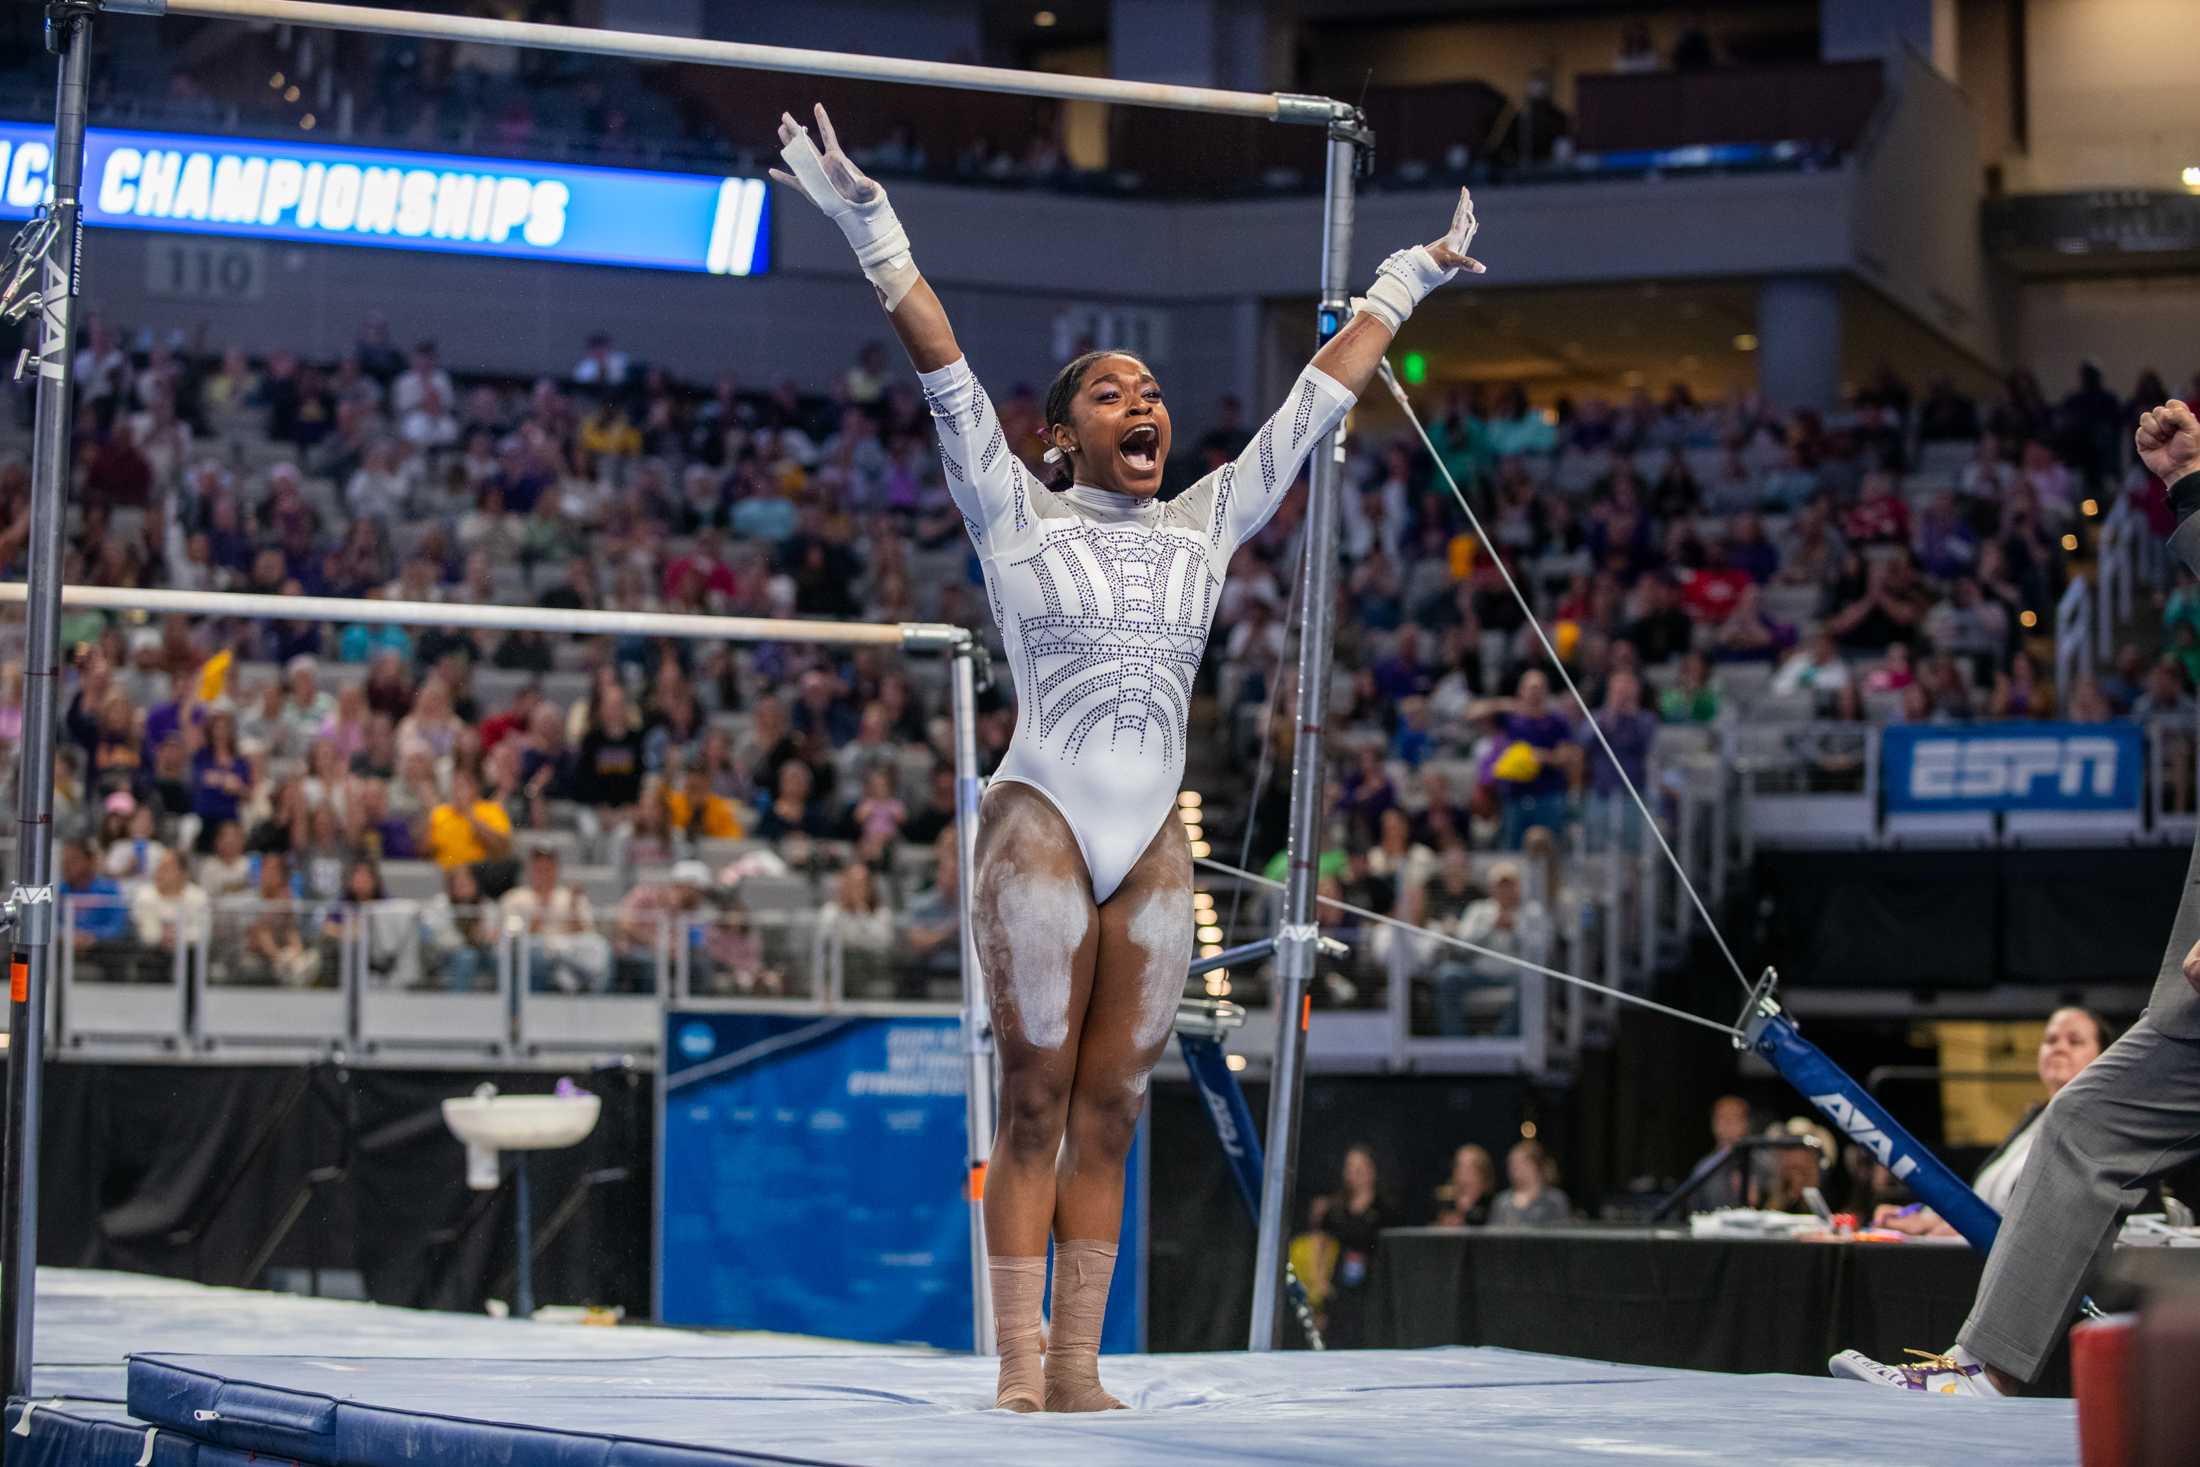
(1539, 731)
(1631, 735)
(211, 799)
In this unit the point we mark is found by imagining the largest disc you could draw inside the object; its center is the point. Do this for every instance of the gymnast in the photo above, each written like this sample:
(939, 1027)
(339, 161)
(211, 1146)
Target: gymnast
(1083, 890)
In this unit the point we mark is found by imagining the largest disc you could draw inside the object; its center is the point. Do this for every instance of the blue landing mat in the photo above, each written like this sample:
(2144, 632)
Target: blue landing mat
(898, 1410)
(83, 1434)
(89, 1320)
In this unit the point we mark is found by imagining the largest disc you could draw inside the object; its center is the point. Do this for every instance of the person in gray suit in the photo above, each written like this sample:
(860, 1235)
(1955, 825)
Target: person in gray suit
(2129, 1116)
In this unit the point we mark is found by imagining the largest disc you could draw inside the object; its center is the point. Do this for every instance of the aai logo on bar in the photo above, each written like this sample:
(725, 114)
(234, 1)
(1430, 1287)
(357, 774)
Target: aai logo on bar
(2014, 766)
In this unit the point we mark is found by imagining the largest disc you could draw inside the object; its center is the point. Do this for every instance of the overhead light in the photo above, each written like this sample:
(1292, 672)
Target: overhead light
(291, 93)
(1203, 901)
(2028, 619)
(275, 82)
(1209, 934)
(2070, 542)
(1188, 800)
(1193, 832)
(309, 122)
(1234, 1061)
(2090, 508)
(1527, 1130)
(1043, 19)
(1746, 341)
(2191, 177)
(1210, 949)
(1201, 850)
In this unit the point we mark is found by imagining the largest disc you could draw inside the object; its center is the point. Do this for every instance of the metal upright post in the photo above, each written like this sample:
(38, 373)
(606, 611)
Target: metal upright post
(977, 1017)
(30, 902)
(523, 1287)
(1298, 944)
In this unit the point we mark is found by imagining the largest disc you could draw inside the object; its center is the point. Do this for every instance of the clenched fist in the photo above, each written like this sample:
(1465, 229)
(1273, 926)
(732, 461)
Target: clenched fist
(2169, 445)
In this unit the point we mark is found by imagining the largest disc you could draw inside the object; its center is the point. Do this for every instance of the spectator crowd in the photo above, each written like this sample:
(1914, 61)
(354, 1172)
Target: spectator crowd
(1697, 562)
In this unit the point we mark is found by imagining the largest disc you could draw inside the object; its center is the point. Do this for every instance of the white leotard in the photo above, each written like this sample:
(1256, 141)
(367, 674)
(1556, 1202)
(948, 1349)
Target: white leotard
(1104, 601)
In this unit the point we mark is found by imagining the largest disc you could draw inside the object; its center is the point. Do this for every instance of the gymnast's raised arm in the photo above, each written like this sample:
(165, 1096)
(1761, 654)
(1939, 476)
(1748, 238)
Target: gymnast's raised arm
(987, 482)
(1350, 357)
(1255, 485)
(857, 203)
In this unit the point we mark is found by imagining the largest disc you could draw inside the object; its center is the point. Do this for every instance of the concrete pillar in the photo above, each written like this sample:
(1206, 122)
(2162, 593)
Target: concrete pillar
(1247, 315)
(658, 17)
(1195, 43)
(1849, 30)
(1799, 341)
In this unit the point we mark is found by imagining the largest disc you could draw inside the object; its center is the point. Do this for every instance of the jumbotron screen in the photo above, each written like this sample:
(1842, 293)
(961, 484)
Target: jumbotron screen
(318, 194)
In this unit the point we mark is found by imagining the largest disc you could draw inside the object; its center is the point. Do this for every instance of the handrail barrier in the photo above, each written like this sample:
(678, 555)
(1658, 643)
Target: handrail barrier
(2078, 623)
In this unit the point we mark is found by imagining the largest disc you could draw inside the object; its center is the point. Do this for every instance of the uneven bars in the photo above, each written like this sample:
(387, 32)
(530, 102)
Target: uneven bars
(907, 636)
(640, 46)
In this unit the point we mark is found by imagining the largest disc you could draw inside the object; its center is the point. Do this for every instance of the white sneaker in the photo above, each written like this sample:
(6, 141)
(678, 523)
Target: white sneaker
(1942, 1375)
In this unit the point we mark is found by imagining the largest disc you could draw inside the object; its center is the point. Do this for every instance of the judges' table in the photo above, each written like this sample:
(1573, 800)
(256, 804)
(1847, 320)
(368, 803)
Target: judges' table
(1660, 1297)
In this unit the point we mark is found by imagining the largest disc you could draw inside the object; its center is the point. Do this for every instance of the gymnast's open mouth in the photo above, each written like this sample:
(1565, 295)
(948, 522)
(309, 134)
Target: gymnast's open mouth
(1141, 447)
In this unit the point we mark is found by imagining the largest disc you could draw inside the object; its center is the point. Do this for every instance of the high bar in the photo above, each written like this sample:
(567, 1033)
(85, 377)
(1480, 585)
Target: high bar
(905, 636)
(636, 45)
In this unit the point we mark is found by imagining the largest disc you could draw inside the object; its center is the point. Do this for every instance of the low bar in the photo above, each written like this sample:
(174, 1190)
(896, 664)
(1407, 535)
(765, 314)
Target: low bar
(641, 46)
(914, 636)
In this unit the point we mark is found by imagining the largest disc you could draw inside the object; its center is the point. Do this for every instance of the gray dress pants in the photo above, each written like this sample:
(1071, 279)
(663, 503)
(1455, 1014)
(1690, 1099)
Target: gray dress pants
(2129, 1116)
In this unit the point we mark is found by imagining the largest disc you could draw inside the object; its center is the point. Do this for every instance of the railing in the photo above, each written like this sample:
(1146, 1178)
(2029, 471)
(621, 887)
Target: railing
(422, 983)
(2078, 622)
(414, 981)
(2091, 612)
(2124, 553)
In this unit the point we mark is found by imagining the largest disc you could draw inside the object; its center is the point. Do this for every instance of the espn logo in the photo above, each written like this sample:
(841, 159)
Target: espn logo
(1989, 768)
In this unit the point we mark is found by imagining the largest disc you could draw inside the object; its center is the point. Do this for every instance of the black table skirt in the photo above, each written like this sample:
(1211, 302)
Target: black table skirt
(1646, 1298)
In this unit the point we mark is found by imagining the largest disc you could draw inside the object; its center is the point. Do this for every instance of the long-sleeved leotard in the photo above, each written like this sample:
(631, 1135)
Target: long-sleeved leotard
(1104, 601)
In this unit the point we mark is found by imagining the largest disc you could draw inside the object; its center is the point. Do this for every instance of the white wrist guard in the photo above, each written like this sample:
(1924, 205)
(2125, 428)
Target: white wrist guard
(1402, 282)
(876, 235)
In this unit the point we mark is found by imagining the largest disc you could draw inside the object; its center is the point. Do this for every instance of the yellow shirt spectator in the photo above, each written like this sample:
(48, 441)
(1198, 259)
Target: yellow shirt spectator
(716, 820)
(462, 834)
(609, 433)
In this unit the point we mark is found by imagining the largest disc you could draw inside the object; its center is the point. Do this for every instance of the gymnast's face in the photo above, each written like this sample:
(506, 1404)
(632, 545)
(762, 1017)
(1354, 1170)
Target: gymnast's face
(1117, 436)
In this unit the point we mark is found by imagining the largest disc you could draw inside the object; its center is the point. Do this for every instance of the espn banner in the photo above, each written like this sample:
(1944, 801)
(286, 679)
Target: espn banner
(2096, 767)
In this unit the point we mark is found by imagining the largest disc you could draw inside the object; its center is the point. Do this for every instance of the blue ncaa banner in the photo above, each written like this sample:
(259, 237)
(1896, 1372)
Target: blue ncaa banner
(250, 188)
(812, 1177)
(811, 1180)
(2012, 766)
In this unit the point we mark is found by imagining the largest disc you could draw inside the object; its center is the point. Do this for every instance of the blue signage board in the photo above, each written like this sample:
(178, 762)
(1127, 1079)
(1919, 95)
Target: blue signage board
(810, 1181)
(2013, 766)
(323, 194)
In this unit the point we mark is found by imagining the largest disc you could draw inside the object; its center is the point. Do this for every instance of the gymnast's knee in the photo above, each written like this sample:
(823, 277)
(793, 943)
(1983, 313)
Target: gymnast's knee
(1102, 1124)
(1034, 1110)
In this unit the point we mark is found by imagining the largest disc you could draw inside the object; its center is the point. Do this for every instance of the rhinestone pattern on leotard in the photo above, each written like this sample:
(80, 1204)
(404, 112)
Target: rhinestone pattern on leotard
(1122, 662)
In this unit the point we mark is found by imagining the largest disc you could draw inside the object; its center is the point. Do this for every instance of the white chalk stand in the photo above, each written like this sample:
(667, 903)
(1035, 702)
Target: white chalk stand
(491, 1124)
